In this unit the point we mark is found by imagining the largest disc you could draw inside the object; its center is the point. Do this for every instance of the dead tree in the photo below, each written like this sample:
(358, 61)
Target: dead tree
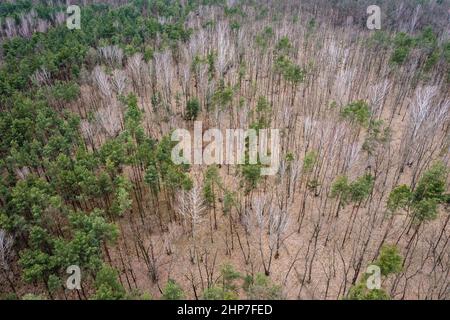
(6, 252)
(191, 206)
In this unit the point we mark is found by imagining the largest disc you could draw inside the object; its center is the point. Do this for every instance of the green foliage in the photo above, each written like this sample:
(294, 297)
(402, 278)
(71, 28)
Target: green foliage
(35, 265)
(54, 283)
(234, 10)
(136, 294)
(215, 293)
(425, 210)
(197, 61)
(432, 184)
(376, 136)
(379, 39)
(311, 24)
(31, 296)
(32, 132)
(263, 38)
(113, 154)
(426, 41)
(49, 255)
(360, 292)
(133, 115)
(30, 198)
(62, 51)
(340, 189)
(252, 175)
(292, 73)
(357, 112)
(263, 112)
(162, 172)
(356, 191)
(223, 97)
(235, 26)
(312, 185)
(290, 157)
(148, 54)
(427, 38)
(212, 181)
(402, 46)
(446, 55)
(229, 200)
(399, 198)
(229, 275)
(309, 161)
(192, 109)
(228, 290)
(61, 92)
(84, 249)
(211, 59)
(146, 296)
(8, 9)
(446, 51)
(218, 293)
(425, 198)
(260, 287)
(283, 46)
(107, 285)
(9, 296)
(361, 188)
(262, 13)
(122, 198)
(152, 178)
(172, 291)
(390, 260)
(432, 59)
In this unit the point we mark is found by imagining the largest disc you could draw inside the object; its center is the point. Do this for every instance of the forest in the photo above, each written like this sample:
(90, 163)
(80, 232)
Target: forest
(87, 177)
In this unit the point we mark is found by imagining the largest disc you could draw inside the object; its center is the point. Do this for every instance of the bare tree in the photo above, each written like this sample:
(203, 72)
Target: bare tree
(6, 251)
(6, 244)
(119, 81)
(102, 81)
(111, 55)
(191, 206)
(278, 223)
